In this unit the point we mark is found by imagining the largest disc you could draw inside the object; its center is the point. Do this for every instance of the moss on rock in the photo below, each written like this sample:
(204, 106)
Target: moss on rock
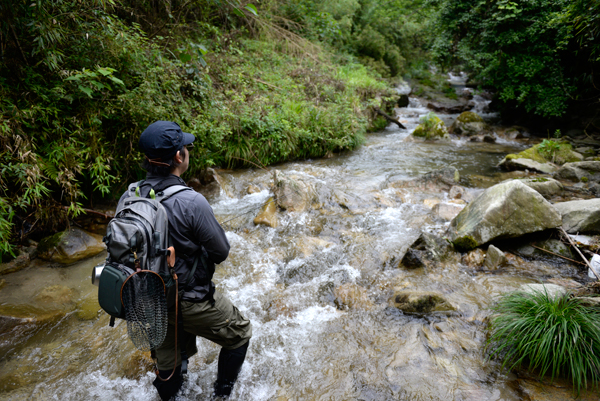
(469, 117)
(465, 243)
(431, 127)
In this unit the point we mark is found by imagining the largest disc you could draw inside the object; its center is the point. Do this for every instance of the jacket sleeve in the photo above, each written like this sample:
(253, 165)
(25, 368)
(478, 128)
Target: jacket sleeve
(208, 232)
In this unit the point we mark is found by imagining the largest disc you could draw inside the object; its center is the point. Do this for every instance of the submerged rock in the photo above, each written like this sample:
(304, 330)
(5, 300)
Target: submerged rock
(435, 181)
(421, 302)
(474, 258)
(580, 216)
(447, 211)
(352, 296)
(70, 246)
(267, 214)
(506, 210)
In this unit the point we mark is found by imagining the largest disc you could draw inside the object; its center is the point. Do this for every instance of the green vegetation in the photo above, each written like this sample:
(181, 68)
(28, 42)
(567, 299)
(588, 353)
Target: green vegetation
(79, 81)
(548, 151)
(465, 243)
(554, 335)
(540, 56)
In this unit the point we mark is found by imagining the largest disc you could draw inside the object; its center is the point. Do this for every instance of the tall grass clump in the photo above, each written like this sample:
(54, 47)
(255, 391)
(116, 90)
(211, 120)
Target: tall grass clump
(555, 335)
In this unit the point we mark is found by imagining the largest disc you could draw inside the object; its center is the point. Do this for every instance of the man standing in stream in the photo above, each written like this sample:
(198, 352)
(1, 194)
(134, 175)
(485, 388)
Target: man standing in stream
(197, 238)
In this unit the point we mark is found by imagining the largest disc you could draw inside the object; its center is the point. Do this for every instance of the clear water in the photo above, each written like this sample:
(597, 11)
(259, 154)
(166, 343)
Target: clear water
(307, 344)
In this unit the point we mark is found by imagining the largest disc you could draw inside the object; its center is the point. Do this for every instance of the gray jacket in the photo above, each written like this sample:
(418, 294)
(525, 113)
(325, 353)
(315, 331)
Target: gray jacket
(193, 229)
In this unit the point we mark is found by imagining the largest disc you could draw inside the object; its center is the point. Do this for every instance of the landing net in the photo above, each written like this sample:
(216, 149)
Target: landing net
(145, 303)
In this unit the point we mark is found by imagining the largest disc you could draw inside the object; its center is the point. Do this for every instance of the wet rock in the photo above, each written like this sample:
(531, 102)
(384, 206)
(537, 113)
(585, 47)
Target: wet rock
(527, 164)
(506, 210)
(208, 183)
(421, 302)
(552, 290)
(252, 189)
(435, 181)
(2, 283)
(430, 203)
(587, 171)
(425, 249)
(451, 107)
(546, 186)
(291, 195)
(474, 258)
(268, 214)
(309, 245)
(433, 128)
(352, 296)
(515, 132)
(494, 258)
(580, 216)
(20, 262)
(469, 123)
(70, 246)
(447, 211)
(456, 192)
(137, 365)
(403, 100)
(26, 317)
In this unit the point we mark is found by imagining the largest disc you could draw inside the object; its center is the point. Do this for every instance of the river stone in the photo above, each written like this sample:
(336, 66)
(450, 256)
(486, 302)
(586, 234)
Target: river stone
(70, 246)
(527, 164)
(451, 106)
(434, 181)
(546, 186)
(580, 216)
(268, 214)
(20, 262)
(421, 302)
(352, 296)
(507, 210)
(552, 290)
(474, 258)
(436, 130)
(447, 211)
(88, 308)
(469, 123)
(427, 247)
(494, 258)
(291, 194)
(587, 171)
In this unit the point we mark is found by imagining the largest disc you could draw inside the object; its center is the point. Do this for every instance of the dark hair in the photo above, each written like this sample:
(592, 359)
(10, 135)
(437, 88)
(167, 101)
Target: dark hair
(161, 170)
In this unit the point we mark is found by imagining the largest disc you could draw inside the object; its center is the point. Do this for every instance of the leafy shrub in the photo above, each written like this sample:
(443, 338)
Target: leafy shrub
(557, 335)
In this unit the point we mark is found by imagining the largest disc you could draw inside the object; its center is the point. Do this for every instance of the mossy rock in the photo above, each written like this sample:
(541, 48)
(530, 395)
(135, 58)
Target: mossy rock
(469, 117)
(421, 303)
(542, 153)
(432, 128)
(465, 243)
(88, 308)
(70, 246)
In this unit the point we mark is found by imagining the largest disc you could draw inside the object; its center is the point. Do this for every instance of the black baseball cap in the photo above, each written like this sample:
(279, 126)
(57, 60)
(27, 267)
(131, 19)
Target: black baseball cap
(162, 140)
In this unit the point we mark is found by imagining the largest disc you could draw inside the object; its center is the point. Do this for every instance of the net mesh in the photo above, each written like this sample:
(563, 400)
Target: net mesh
(145, 305)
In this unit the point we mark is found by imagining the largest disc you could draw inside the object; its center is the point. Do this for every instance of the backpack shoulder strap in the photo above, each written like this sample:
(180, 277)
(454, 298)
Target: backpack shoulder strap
(133, 189)
(170, 191)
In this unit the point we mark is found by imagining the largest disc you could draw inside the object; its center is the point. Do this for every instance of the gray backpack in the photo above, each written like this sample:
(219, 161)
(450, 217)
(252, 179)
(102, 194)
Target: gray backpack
(137, 239)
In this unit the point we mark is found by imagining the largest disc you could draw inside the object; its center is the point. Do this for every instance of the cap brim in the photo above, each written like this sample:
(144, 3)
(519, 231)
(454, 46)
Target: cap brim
(187, 138)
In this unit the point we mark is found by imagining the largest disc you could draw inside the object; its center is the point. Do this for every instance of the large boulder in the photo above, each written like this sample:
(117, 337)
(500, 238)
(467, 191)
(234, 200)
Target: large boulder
(291, 194)
(588, 171)
(507, 210)
(436, 181)
(580, 216)
(469, 123)
(543, 153)
(70, 246)
(208, 183)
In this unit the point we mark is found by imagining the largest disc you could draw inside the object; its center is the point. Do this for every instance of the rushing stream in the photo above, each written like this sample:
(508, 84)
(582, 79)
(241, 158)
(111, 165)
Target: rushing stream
(317, 289)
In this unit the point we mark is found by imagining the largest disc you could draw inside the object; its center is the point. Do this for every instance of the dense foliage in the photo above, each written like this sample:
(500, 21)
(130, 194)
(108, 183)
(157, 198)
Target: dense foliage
(79, 81)
(539, 55)
(556, 335)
